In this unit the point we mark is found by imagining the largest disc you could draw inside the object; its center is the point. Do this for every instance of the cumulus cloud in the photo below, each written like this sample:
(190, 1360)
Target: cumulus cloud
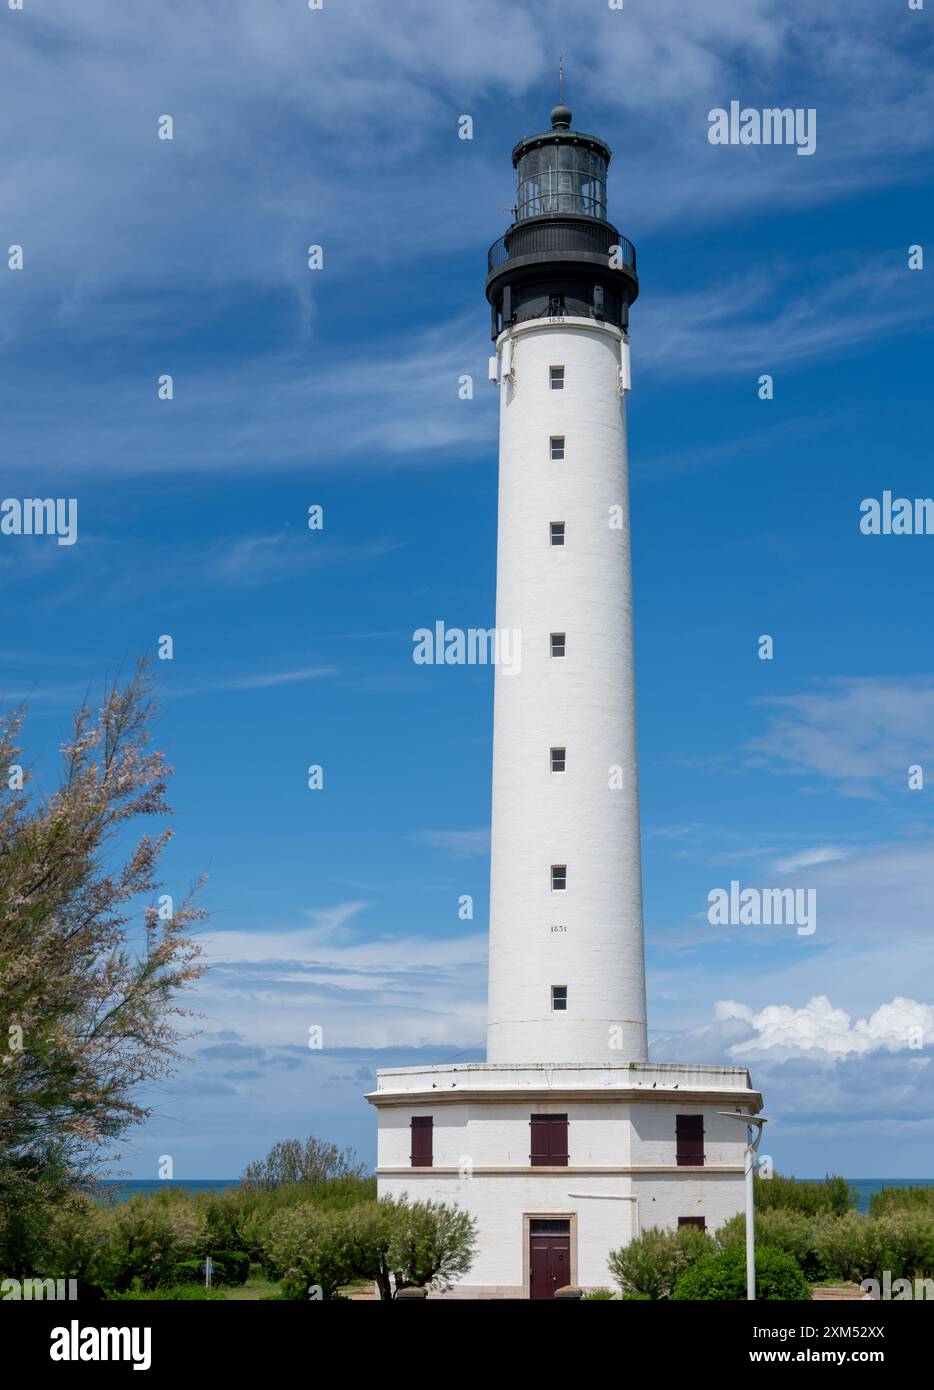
(821, 1028)
(841, 1094)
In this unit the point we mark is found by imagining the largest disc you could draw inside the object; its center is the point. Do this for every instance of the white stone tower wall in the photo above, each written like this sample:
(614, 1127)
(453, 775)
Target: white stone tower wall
(583, 702)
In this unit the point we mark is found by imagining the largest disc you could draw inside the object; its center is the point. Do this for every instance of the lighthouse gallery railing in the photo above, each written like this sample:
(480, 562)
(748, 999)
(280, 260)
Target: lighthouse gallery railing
(529, 238)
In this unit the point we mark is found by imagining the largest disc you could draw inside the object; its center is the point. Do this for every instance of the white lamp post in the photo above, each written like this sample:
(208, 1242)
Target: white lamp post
(753, 1125)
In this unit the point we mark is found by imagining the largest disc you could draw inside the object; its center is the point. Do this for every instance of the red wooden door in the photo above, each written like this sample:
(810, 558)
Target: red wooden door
(549, 1258)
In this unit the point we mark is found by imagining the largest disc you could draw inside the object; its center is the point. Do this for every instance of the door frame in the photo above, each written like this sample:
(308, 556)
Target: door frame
(527, 1218)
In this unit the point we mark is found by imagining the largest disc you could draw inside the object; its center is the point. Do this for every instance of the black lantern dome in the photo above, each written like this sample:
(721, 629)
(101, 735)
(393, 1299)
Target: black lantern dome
(557, 258)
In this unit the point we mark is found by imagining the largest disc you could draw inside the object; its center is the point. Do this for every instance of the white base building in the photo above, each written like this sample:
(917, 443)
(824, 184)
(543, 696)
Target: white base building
(628, 1167)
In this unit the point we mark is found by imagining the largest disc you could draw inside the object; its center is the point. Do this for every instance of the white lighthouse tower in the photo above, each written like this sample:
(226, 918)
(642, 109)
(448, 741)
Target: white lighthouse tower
(567, 979)
(567, 1141)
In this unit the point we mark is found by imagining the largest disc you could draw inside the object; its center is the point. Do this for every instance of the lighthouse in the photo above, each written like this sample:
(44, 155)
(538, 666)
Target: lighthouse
(568, 1141)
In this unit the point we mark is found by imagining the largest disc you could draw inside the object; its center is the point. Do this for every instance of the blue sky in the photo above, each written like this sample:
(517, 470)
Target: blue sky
(339, 908)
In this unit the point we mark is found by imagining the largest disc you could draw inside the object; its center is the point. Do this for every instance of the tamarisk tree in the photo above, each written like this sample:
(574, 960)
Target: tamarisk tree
(88, 1009)
(295, 1160)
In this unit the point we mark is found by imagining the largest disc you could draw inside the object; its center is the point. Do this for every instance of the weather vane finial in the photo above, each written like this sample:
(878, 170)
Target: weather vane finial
(561, 78)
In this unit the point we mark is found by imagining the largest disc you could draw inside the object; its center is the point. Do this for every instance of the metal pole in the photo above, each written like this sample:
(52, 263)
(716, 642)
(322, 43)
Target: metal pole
(750, 1218)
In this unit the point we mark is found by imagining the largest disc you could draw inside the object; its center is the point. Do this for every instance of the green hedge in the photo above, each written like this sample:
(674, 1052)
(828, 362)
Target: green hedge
(862, 1247)
(159, 1240)
(787, 1230)
(723, 1277)
(902, 1201)
(833, 1197)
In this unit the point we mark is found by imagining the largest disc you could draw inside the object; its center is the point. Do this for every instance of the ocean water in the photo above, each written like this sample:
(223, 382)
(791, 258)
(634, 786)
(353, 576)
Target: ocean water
(122, 1188)
(119, 1189)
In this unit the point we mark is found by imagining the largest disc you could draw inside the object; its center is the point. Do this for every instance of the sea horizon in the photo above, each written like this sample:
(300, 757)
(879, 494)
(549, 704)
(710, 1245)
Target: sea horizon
(865, 1188)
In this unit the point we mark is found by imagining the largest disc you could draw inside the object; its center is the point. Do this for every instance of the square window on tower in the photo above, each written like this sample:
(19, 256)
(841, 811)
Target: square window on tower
(559, 878)
(556, 378)
(559, 644)
(557, 533)
(557, 446)
(558, 760)
(559, 998)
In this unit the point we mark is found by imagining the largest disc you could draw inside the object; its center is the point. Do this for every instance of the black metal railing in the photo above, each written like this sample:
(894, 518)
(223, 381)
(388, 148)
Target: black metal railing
(497, 254)
(554, 237)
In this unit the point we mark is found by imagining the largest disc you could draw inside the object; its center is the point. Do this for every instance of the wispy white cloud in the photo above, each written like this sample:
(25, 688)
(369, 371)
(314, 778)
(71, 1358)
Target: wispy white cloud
(860, 733)
(869, 893)
(297, 410)
(263, 680)
(762, 320)
(329, 921)
(804, 859)
(463, 844)
(267, 559)
(168, 232)
(335, 91)
(364, 991)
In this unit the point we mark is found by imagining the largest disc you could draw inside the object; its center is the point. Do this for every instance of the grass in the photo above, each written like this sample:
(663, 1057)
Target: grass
(178, 1293)
(256, 1287)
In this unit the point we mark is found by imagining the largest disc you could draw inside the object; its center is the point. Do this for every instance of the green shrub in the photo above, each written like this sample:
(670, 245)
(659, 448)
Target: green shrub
(907, 1201)
(694, 1244)
(31, 1187)
(833, 1197)
(223, 1213)
(308, 1160)
(340, 1194)
(429, 1243)
(650, 1264)
(723, 1276)
(305, 1247)
(783, 1229)
(148, 1236)
(599, 1295)
(159, 1239)
(256, 1208)
(862, 1247)
(414, 1243)
(77, 1243)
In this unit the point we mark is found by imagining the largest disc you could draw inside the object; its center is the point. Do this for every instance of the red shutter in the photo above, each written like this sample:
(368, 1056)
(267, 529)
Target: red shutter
(689, 1135)
(549, 1141)
(421, 1141)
